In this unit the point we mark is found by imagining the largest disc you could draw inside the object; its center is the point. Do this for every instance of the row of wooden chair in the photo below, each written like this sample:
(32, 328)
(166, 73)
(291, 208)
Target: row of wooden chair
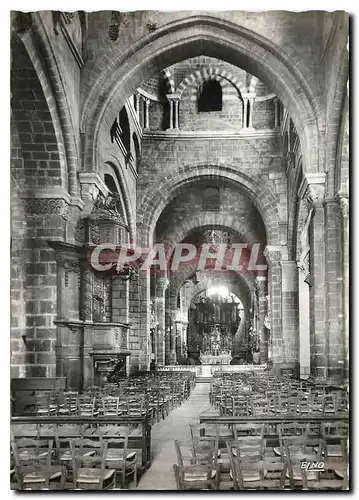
(73, 463)
(246, 461)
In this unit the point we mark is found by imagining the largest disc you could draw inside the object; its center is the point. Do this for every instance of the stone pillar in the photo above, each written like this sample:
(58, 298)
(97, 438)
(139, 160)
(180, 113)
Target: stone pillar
(147, 113)
(161, 284)
(261, 285)
(304, 324)
(176, 114)
(334, 290)
(344, 205)
(244, 118)
(312, 191)
(273, 255)
(251, 105)
(145, 317)
(290, 320)
(173, 333)
(170, 101)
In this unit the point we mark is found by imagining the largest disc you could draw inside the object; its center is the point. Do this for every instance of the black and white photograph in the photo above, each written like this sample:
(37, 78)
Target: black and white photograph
(179, 249)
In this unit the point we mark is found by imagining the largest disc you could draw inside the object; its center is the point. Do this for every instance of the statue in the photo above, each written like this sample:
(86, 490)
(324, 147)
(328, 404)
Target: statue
(303, 262)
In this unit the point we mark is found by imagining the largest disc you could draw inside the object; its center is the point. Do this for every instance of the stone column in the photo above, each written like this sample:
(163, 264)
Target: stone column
(173, 333)
(161, 284)
(290, 321)
(145, 317)
(244, 119)
(344, 205)
(304, 324)
(261, 285)
(312, 191)
(273, 255)
(176, 114)
(170, 101)
(87, 316)
(147, 112)
(334, 253)
(251, 105)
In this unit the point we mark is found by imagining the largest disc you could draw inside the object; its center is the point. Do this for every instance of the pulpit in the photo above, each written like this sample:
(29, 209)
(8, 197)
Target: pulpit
(108, 363)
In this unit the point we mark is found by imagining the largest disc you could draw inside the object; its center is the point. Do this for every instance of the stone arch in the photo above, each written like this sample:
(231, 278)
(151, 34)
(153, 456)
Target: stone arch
(189, 37)
(211, 220)
(153, 202)
(233, 286)
(177, 281)
(41, 52)
(42, 144)
(214, 73)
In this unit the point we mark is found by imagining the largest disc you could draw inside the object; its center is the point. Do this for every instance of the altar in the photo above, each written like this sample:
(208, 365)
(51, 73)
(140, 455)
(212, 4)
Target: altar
(210, 361)
(215, 359)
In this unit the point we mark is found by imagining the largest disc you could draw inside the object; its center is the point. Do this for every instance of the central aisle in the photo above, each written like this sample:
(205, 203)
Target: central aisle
(160, 475)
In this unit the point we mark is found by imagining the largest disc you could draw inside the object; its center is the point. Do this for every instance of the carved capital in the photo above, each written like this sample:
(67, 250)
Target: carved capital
(173, 97)
(312, 190)
(273, 254)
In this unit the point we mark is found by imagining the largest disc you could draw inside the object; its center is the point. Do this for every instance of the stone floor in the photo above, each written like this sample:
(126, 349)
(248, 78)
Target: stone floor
(160, 475)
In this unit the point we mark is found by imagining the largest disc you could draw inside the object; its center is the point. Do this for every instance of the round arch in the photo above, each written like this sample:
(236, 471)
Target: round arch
(239, 289)
(154, 202)
(211, 220)
(245, 283)
(209, 73)
(202, 35)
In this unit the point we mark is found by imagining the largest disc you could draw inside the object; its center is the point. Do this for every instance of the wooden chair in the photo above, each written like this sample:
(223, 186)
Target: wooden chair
(196, 477)
(241, 406)
(34, 470)
(184, 453)
(254, 472)
(67, 403)
(110, 406)
(297, 450)
(260, 406)
(119, 457)
(63, 445)
(291, 429)
(86, 406)
(89, 470)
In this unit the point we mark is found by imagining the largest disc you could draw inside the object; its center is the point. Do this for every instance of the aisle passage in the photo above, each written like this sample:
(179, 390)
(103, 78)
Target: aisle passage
(160, 475)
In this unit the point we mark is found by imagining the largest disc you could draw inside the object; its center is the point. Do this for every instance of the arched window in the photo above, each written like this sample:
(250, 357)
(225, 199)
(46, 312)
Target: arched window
(210, 96)
(125, 129)
(211, 199)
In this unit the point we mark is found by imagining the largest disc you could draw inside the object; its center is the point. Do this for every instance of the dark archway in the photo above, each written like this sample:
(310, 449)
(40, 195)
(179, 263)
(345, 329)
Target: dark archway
(209, 96)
